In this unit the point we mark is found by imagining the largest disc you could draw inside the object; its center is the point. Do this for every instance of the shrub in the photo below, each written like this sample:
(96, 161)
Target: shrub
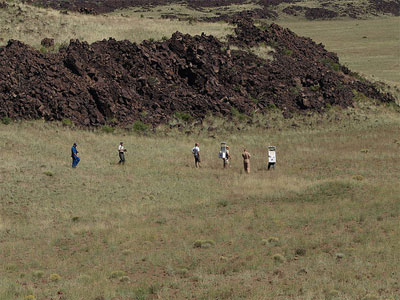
(315, 87)
(30, 297)
(271, 241)
(37, 274)
(330, 64)
(6, 120)
(48, 173)
(139, 126)
(222, 203)
(54, 277)
(237, 114)
(107, 129)
(203, 244)
(67, 122)
(124, 279)
(279, 258)
(300, 252)
(183, 116)
(287, 52)
(117, 274)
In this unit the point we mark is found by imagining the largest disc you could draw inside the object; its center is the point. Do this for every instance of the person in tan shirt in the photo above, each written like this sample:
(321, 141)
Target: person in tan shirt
(246, 161)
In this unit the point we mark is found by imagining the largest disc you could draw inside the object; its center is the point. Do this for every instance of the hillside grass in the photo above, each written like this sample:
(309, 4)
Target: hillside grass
(370, 47)
(31, 24)
(323, 225)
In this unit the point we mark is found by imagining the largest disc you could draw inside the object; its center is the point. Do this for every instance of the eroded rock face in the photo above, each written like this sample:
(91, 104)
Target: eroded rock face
(198, 75)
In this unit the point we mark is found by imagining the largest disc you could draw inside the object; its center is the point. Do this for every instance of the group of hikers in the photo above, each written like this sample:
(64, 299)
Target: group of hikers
(224, 154)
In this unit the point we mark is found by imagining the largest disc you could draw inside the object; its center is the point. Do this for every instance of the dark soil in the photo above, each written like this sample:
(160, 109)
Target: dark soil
(120, 82)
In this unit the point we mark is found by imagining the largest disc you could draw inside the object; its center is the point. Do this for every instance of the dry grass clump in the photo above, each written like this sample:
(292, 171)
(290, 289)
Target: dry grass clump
(279, 258)
(117, 274)
(203, 244)
(54, 277)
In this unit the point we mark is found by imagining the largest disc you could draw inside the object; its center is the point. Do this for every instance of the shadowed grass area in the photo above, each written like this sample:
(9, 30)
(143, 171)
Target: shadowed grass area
(325, 220)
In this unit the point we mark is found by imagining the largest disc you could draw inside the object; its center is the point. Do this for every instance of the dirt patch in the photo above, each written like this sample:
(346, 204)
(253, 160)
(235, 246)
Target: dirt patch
(119, 82)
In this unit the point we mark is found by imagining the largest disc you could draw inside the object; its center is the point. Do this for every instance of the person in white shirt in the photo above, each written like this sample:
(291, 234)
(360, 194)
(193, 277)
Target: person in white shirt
(271, 157)
(121, 152)
(196, 155)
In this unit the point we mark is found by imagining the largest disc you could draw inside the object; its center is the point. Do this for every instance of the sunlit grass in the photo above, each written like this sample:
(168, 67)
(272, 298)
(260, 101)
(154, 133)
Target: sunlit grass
(149, 219)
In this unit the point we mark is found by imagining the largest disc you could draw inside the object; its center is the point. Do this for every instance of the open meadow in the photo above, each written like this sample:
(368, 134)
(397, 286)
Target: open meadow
(323, 225)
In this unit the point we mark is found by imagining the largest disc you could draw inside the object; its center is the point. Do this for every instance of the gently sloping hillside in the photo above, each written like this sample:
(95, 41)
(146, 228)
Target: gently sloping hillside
(122, 82)
(320, 9)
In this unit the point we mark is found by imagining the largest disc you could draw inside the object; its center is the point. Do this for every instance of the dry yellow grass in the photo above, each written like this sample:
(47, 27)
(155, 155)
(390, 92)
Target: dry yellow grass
(130, 232)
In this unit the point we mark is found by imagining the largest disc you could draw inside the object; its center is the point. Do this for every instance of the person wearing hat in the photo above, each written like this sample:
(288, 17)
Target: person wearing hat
(74, 155)
(121, 152)
(196, 154)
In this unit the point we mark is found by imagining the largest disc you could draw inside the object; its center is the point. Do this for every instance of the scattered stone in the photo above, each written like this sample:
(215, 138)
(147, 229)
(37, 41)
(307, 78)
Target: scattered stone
(47, 42)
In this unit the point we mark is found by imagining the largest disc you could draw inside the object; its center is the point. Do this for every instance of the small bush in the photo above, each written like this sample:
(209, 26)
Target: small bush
(67, 123)
(358, 177)
(117, 274)
(30, 297)
(315, 87)
(139, 126)
(54, 277)
(75, 219)
(300, 252)
(203, 244)
(287, 52)
(273, 241)
(124, 279)
(6, 120)
(183, 116)
(279, 258)
(222, 203)
(330, 64)
(107, 129)
(48, 173)
(37, 274)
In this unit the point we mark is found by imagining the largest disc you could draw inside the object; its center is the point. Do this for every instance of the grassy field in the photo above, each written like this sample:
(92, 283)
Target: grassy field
(371, 46)
(323, 225)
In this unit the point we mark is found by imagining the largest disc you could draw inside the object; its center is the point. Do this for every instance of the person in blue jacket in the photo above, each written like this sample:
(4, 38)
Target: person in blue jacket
(74, 155)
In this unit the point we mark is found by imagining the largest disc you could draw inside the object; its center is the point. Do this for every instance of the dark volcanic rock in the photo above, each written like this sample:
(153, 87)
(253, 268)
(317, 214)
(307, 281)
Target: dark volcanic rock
(124, 81)
(320, 13)
(47, 42)
(389, 7)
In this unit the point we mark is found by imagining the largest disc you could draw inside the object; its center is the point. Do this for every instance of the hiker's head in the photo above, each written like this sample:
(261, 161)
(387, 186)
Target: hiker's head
(121, 143)
(196, 144)
(75, 145)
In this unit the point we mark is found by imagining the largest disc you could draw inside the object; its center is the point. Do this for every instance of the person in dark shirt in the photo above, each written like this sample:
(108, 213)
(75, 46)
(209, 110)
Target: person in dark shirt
(74, 155)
